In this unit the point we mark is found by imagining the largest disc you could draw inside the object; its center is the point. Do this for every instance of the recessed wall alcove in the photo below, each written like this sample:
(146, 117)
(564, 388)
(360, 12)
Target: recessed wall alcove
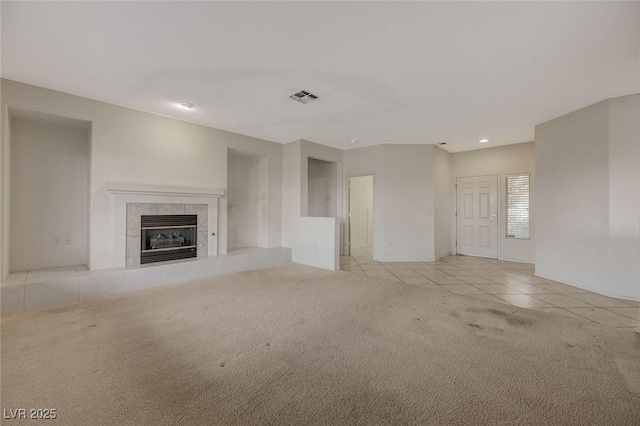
(48, 191)
(247, 200)
(323, 188)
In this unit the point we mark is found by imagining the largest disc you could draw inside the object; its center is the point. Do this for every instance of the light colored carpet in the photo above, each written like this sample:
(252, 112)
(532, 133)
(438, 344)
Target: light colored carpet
(297, 345)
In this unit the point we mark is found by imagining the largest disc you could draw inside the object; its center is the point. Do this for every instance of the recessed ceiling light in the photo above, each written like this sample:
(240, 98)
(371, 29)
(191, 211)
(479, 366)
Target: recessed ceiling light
(483, 140)
(354, 141)
(187, 105)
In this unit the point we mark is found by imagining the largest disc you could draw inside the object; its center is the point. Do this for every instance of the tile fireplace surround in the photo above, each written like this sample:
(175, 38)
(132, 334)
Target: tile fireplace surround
(136, 210)
(129, 201)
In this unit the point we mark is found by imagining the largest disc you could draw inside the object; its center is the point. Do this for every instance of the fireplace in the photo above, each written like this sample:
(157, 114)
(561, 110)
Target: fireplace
(168, 237)
(135, 242)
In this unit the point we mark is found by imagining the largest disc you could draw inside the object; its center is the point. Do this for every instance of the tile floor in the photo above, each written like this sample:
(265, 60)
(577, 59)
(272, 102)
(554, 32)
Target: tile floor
(512, 283)
(41, 275)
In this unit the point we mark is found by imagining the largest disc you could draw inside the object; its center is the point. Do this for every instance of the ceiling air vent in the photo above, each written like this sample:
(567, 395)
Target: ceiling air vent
(304, 97)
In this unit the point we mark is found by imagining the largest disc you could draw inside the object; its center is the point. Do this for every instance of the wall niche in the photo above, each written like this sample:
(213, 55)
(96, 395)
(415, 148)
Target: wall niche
(247, 200)
(323, 187)
(49, 191)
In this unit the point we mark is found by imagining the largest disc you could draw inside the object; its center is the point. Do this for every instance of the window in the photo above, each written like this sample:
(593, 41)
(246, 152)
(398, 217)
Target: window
(518, 191)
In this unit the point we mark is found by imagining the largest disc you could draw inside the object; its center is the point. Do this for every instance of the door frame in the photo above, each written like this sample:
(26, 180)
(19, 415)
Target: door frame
(454, 222)
(346, 243)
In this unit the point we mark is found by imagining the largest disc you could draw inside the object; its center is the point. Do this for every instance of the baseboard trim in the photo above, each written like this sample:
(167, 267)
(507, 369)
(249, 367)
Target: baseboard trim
(444, 255)
(590, 289)
(404, 260)
(519, 261)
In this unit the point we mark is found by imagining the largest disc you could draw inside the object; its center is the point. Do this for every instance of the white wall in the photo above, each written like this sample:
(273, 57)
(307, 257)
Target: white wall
(443, 188)
(571, 201)
(624, 196)
(247, 200)
(361, 211)
(323, 188)
(502, 161)
(49, 193)
(134, 146)
(291, 191)
(317, 242)
(588, 198)
(404, 205)
(409, 204)
(309, 246)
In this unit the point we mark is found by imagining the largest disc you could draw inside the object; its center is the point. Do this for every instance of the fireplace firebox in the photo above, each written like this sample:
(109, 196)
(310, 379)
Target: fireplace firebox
(168, 237)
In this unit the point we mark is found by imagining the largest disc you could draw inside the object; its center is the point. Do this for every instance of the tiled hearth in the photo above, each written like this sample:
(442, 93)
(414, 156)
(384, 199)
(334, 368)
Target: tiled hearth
(35, 289)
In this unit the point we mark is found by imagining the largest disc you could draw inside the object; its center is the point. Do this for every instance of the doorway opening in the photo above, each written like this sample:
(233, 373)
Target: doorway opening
(361, 214)
(477, 216)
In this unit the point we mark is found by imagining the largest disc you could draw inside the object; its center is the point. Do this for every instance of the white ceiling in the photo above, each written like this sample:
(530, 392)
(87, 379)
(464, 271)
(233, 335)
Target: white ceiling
(386, 72)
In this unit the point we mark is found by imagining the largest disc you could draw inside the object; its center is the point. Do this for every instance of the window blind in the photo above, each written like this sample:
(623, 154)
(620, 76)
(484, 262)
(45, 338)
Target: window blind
(518, 195)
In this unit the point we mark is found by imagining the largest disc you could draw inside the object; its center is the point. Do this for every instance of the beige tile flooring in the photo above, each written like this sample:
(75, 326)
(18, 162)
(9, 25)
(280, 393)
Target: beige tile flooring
(512, 283)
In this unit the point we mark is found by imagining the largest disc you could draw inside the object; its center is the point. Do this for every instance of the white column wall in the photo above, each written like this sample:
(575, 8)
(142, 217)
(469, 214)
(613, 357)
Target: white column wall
(360, 206)
(624, 196)
(443, 202)
(291, 191)
(409, 204)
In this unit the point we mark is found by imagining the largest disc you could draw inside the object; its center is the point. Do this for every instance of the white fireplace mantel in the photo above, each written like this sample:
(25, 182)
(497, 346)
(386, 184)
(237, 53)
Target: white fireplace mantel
(148, 189)
(123, 193)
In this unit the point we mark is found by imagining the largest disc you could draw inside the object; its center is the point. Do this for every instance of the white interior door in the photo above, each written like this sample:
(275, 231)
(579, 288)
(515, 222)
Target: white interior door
(477, 216)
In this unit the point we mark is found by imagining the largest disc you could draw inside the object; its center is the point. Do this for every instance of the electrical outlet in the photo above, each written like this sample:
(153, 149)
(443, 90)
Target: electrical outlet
(56, 241)
(66, 241)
